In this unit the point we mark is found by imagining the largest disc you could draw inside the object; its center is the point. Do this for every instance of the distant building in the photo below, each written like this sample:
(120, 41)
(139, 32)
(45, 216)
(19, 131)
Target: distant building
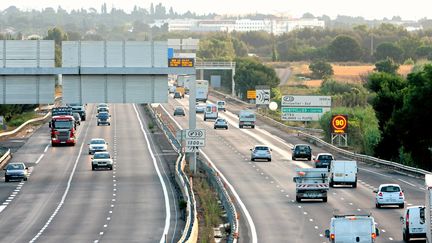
(276, 27)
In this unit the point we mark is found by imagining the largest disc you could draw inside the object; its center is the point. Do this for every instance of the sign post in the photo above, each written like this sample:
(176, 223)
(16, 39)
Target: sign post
(339, 126)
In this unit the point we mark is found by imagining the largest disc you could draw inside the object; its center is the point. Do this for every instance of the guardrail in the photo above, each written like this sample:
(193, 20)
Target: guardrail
(214, 64)
(190, 232)
(3, 134)
(191, 227)
(5, 157)
(334, 149)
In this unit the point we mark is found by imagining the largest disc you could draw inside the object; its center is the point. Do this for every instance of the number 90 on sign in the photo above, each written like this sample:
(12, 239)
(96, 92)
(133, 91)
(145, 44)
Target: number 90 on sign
(195, 143)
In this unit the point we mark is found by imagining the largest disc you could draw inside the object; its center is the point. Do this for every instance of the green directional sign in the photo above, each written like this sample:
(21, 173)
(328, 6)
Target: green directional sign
(302, 110)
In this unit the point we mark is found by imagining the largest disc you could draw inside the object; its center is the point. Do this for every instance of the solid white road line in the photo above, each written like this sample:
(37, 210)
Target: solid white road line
(40, 157)
(165, 192)
(234, 192)
(63, 197)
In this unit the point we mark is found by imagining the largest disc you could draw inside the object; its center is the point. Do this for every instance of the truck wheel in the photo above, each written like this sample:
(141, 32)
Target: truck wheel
(269, 160)
(324, 199)
(354, 185)
(377, 205)
(402, 205)
(293, 158)
(240, 126)
(93, 168)
(298, 199)
(253, 127)
(331, 184)
(252, 159)
(406, 237)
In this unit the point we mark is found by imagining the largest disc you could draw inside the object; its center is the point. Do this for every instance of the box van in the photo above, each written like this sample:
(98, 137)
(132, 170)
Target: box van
(343, 172)
(247, 118)
(352, 228)
(211, 112)
(413, 223)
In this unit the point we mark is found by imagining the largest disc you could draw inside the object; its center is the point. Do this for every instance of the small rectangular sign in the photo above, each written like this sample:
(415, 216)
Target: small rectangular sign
(191, 149)
(181, 62)
(195, 143)
(195, 134)
(251, 94)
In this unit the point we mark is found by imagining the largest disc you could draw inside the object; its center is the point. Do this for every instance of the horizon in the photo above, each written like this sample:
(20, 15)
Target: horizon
(295, 10)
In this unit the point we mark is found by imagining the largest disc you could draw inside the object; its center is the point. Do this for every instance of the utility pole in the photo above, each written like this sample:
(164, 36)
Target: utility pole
(192, 120)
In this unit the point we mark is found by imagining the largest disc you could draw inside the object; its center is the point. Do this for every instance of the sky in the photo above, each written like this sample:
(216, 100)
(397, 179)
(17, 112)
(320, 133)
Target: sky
(369, 9)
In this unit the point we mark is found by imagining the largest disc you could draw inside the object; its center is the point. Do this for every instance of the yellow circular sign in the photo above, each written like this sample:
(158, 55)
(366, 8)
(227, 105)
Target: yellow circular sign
(339, 123)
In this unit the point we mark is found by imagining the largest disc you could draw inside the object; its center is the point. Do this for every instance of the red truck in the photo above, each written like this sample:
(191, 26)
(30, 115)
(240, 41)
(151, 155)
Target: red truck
(63, 129)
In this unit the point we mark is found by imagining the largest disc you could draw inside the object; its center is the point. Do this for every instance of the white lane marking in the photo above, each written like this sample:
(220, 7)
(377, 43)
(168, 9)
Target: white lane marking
(409, 183)
(2, 207)
(165, 192)
(371, 171)
(46, 148)
(240, 202)
(40, 158)
(63, 197)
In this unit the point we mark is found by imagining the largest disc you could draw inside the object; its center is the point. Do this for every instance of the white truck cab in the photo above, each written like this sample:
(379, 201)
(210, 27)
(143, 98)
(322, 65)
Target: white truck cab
(352, 228)
(343, 172)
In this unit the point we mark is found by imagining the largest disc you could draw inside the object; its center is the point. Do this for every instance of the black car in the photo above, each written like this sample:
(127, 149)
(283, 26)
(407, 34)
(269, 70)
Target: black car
(103, 118)
(302, 151)
(323, 160)
(179, 111)
(80, 109)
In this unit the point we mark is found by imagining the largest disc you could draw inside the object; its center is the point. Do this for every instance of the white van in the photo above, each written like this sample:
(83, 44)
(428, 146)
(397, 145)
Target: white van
(343, 172)
(352, 228)
(211, 112)
(413, 223)
(221, 105)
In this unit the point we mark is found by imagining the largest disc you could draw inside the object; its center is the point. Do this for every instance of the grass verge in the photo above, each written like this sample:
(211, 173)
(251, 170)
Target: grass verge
(209, 210)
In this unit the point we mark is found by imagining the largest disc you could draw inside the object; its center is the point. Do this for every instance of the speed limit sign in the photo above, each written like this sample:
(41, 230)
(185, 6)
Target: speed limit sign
(339, 124)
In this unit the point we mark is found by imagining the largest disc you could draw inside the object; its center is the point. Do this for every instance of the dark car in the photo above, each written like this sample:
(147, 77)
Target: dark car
(77, 118)
(179, 111)
(103, 118)
(303, 151)
(177, 95)
(323, 160)
(80, 109)
(16, 171)
(221, 123)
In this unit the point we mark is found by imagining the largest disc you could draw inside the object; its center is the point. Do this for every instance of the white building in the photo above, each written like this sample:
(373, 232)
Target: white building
(276, 27)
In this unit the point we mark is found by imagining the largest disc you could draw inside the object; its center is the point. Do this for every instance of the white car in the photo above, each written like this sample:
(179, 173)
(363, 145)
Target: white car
(97, 145)
(389, 194)
(261, 152)
(102, 159)
(200, 108)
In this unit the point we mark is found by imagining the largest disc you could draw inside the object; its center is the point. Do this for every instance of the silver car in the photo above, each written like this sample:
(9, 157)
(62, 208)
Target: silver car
(16, 171)
(102, 159)
(97, 145)
(261, 152)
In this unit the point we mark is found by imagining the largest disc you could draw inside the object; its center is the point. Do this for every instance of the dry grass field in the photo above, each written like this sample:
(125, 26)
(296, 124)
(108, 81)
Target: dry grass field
(342, 73)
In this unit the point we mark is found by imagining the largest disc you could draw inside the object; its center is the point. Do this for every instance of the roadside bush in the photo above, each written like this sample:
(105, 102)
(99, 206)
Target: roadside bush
(363, 131)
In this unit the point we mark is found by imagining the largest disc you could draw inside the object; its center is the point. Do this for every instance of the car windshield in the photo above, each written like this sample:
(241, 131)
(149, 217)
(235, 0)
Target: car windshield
(261, 148)
(102, 105)
(101, 156)
(62, 124)
(302, 148)
(76, 115)
(15, 167)
(325, 157)
(103, 114)
(99, 141)
(390, 189)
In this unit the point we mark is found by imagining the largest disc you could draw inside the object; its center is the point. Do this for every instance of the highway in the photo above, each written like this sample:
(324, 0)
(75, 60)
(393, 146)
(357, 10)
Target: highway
(64, 200)
(268, 193)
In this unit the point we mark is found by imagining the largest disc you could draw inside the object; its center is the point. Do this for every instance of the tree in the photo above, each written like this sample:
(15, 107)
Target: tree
(413, 119)
(423, 51)
(389, 50)
(362, 127)
(58, 36)
(387, 66)
(240, 48)
(389, 95)
(250, 73)
(344, 48)
(218, 47)
(321, 69)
